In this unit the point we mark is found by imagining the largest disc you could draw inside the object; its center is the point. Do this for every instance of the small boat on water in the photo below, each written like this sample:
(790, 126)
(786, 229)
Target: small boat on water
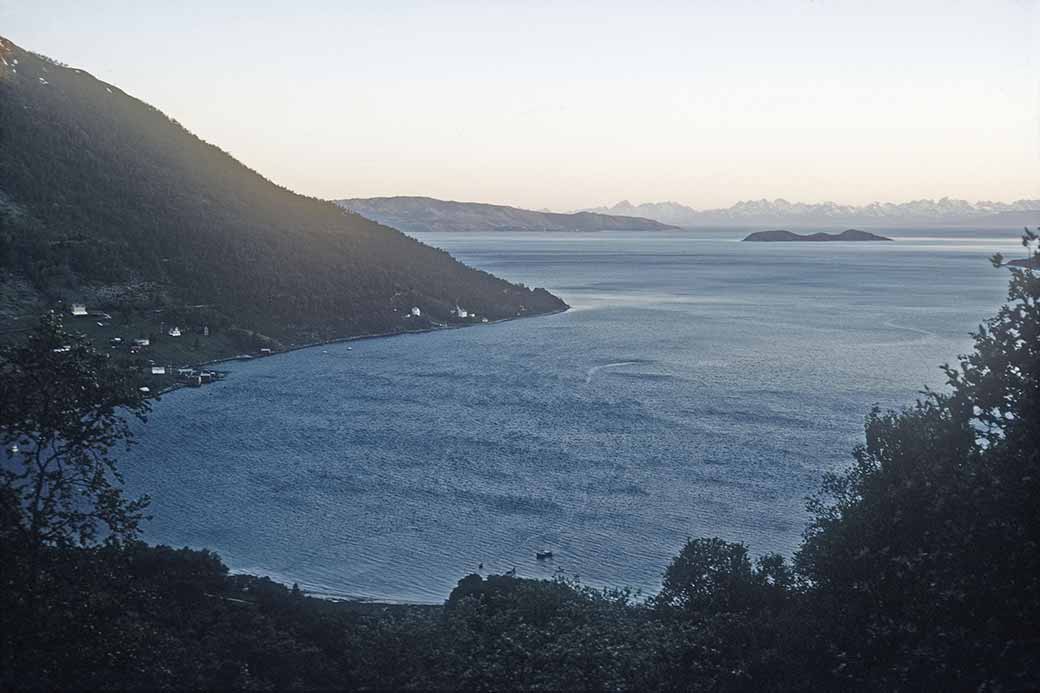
(543, 555)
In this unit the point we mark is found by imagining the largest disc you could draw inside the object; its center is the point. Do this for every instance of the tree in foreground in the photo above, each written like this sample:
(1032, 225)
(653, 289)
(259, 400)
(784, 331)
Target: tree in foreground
(921, 564)
(925, 554)
(64, 406)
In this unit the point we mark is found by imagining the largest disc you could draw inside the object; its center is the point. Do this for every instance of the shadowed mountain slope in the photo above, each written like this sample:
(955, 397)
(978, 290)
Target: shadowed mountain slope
(98, 189)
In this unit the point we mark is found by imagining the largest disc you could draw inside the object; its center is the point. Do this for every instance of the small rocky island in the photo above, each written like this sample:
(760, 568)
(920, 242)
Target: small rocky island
(847, 235)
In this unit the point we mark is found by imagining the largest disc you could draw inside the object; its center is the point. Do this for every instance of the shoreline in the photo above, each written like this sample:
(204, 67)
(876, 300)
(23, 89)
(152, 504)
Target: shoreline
(334, 597)
(354, 338)
(357, 600)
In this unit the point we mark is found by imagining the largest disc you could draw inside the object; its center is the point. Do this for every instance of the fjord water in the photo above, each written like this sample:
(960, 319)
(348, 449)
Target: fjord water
(699, 387)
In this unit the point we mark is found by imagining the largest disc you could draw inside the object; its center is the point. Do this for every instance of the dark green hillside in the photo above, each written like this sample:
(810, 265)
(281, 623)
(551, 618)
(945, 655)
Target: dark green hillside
(100, 191)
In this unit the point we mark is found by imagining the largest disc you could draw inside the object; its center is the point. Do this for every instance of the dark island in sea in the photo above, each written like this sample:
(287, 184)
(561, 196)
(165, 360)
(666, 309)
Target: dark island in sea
(782, 235)
(423, 214)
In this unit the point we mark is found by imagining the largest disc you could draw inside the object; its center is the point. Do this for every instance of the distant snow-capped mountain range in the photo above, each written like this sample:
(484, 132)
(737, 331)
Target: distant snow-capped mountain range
(779, 211)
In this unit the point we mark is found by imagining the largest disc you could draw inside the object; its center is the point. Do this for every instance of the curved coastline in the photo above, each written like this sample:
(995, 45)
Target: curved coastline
(359, 337)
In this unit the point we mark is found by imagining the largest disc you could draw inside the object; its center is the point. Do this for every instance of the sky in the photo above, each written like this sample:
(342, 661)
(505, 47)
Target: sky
(565, 105)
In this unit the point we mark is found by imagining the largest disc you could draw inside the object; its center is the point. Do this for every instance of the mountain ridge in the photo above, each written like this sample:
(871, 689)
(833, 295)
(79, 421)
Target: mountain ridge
(780, 211)
(418, 214)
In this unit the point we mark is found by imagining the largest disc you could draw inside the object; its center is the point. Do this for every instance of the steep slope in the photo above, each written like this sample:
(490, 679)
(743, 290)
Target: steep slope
(418, 214)
(100, 189)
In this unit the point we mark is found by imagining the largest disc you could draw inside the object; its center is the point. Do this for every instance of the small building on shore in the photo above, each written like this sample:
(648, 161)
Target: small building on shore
(79, 309)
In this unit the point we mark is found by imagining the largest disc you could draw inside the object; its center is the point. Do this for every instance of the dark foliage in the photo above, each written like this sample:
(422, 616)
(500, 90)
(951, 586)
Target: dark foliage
(63, 407)
(96, 186)
(930, 543)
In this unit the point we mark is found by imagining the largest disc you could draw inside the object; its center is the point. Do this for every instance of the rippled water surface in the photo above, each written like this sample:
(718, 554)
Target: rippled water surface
(699, 386)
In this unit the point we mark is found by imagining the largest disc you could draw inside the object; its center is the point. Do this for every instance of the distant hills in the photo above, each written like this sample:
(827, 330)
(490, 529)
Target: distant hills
(787, 236)
(781, 212)
(104, 198)
(422, 214)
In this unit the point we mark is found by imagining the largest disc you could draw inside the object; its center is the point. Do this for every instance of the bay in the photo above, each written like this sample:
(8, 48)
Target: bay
(699, 386)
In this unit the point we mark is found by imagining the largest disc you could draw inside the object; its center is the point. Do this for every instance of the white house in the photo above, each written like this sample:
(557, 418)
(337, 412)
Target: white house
(416, 312)
(142, 341)
(461, 312)
(158, 370)
(175, 331)
(79, 309)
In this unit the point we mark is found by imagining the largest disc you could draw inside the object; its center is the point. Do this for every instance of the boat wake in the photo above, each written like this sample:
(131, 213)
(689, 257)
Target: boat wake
(889, 323)
(596, 369)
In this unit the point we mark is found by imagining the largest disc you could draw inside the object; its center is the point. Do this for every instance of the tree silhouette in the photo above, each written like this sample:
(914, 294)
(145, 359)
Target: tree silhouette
(63, 407)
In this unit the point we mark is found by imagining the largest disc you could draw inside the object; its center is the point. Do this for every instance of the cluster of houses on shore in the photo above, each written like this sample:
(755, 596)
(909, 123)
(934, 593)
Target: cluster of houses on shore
(134, 346)
(191, 377)
(196, 377)
(137, 344)
(458, 312)
(462, 314)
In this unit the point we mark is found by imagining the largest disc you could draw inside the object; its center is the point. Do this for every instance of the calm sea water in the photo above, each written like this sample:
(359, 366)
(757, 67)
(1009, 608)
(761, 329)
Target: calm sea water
(699, 387)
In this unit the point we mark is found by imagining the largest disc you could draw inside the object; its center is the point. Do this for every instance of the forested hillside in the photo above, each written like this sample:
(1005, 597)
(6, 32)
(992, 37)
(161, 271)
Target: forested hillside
(98, 189)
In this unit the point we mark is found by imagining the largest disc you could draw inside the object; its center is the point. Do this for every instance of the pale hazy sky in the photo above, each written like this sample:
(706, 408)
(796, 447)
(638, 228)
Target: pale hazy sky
(573, 104)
